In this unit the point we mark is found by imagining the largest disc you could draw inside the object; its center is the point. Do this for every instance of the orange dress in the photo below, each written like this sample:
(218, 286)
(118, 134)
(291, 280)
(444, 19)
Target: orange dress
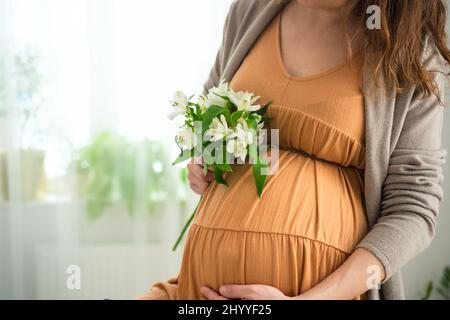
(311, 214)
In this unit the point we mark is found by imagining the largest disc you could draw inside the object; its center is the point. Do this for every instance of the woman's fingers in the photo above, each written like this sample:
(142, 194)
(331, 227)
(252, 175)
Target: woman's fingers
(199, 188)
(201, 162)
(210, 294)
(198, 181)
(248, 292)
(209, 176)
(251, 292)
(197, 160)
(195, 174)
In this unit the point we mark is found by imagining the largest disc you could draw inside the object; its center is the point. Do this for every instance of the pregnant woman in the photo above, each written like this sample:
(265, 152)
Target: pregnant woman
(359, 112)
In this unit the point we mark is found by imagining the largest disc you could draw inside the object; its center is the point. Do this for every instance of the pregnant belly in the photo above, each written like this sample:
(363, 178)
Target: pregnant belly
(309, 219)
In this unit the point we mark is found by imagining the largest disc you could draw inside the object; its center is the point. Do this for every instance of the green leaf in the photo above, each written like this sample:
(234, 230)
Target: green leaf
(195, 113)
(260, 178)
(444, 284)
(229, 106)
(264, 109)
(443, 293)
(210, 114)
(185, 155)
(445, 280)
(236, 116)
(218, 175)
(428, 291)
(208, 158)
(252, 123)
(267, 119)
(253, 151)
(224, 167)
(227, 115)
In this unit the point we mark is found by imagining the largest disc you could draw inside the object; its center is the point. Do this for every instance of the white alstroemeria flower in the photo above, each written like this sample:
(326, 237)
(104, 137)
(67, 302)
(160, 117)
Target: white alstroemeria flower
(218, 129)
(237, 148)
(215, 94)
(215, 100)
(244, 101)
(257, 117)
(203, 103)
(222, 89)
(179, 103)
(243, 133)
(186, 138)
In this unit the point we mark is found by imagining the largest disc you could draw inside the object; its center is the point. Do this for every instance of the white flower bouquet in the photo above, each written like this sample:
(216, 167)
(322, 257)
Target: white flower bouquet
(224, 127)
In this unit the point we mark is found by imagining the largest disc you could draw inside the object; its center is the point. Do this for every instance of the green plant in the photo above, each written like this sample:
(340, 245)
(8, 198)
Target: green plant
(120, 171)
(22, 103)
(27, 85)
(29, 100)
(443, 288)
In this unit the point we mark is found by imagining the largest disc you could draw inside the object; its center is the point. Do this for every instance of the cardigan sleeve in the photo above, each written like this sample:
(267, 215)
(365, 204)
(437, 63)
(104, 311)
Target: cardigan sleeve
(229, 32)
(412, 190)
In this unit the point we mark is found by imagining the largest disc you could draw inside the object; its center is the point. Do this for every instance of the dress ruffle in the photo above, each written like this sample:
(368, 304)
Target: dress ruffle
(254, 258)
(315, 137)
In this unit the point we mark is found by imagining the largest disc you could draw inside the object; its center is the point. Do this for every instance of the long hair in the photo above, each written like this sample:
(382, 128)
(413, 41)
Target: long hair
(397, 47)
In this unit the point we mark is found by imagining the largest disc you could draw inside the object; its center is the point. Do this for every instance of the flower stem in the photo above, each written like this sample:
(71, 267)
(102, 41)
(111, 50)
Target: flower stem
(186, 226)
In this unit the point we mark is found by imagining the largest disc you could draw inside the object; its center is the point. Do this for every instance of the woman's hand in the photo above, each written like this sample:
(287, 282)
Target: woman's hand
(360, 272)
(244, 292)
(198, 181)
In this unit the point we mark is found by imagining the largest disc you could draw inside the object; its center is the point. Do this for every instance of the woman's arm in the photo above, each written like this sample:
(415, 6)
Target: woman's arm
(412, 190)
(360, 272)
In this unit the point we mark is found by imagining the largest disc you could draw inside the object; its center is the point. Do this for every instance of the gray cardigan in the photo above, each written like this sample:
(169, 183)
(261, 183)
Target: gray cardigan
(403, 174)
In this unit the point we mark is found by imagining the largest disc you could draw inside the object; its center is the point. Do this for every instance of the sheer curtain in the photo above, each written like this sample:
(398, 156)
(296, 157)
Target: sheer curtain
(86, 185)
